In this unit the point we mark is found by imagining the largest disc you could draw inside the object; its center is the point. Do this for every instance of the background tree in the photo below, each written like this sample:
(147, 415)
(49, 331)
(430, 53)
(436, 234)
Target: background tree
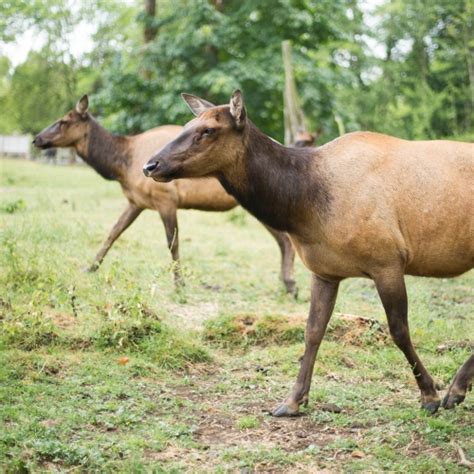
(405, 69)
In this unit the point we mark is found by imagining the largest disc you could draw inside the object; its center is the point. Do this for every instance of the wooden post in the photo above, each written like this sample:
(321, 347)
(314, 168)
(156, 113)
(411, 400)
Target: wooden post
(295, 120)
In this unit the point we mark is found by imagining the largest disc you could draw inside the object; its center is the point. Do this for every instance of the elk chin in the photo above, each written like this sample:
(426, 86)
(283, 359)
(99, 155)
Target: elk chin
(162, 179)
(165, 174)
(44, 145)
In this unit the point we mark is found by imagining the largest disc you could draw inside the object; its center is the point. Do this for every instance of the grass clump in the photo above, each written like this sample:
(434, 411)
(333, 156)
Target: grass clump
(248, 422)
(126, 325)
(170, 349)
(21, 270)
(273, 329)
(27, 331)
(133, 326)
(10, 207)
(248, 330)
(357, 330)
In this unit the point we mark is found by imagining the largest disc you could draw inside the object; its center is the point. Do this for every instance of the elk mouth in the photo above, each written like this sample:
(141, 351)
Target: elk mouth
(165, 178)
(38, 142)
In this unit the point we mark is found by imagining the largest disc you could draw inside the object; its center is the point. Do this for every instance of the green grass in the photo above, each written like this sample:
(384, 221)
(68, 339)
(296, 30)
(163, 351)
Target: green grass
(116, 371)
(248, 422)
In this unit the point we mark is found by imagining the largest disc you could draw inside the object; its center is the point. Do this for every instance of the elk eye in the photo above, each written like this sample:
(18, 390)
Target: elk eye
(209, 131)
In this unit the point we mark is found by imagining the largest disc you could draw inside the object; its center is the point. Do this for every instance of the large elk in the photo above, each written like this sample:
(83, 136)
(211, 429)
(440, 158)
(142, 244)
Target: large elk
(363, 205)
(121, 158)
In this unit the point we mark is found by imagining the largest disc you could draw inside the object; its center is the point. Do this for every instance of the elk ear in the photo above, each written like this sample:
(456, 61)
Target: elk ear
(237, 109)
(82, 105)
(196, 104)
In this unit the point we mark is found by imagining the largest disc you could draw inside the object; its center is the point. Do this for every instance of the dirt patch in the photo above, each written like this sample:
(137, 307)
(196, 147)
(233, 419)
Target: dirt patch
(62, 320)
(49, 423)
(289, 434)
(216, 420)
(233, 330)
(453, 345)
(357, 330)
(216, 431)
(271, 329)
(192, 316)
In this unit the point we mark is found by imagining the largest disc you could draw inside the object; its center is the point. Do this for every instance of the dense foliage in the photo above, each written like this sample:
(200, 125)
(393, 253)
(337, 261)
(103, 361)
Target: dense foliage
(403, 67)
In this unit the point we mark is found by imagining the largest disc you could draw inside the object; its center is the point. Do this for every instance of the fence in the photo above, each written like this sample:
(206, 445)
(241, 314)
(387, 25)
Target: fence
(19, 146)
(15, 145)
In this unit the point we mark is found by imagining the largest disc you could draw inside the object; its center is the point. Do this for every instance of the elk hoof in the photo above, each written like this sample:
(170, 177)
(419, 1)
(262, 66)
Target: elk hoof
(286, 409)
(431, 407)
(92, 268)
(451, 400)
(291, 288)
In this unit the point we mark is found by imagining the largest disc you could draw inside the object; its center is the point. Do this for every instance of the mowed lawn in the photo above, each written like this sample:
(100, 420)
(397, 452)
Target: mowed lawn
(117, 371)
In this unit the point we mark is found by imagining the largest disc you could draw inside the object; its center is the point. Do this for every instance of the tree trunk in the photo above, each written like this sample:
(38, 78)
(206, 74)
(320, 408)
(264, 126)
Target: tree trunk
(467, 34)
(218, 4)
(149, 33)
(150, 29)
(211, 52)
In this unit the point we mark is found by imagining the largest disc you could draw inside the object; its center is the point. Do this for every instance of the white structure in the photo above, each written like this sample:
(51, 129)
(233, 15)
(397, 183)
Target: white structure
(15, 145)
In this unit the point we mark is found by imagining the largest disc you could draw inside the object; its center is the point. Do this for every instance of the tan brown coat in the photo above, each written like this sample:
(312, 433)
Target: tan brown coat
(364, 205)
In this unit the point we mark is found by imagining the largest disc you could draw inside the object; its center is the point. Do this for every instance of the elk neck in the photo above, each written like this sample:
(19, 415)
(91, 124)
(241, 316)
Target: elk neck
(281, 186)
(108, 154)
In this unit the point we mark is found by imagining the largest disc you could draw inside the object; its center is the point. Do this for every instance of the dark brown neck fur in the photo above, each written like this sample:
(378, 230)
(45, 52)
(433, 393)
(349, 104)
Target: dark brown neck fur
(108, 154)
(280, 184)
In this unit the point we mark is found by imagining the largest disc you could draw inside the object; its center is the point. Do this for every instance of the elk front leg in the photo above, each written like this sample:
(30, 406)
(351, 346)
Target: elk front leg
(323, 298)
(287, 260)
(125, 220)
(170, 221)
(458, 388)
(392, 292)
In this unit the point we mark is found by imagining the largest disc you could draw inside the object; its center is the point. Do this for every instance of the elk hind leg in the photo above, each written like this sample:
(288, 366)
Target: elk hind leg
(287, 260)
(392, 291)
(460, 384)
(170, 222)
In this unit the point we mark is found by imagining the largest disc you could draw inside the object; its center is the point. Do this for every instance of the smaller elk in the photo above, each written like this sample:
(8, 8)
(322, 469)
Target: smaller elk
(364, 205)
(306, 139)
(121, 158)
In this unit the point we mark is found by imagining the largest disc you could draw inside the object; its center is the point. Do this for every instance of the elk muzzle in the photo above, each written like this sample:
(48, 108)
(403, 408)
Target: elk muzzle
(40, 142)
(158, 169)
(161, 167)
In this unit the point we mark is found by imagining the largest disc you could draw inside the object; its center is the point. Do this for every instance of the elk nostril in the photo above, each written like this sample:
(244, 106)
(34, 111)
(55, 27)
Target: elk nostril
(150, 167)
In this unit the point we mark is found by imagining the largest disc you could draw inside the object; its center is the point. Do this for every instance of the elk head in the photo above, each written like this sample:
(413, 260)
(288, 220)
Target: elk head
(208, 143)
(67, 130)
